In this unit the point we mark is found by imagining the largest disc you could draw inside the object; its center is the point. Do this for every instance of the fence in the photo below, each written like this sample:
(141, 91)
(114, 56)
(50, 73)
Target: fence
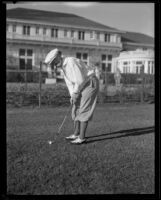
(27, 87)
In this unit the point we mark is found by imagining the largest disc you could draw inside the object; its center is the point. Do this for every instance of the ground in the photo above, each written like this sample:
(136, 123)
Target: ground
(117, 158)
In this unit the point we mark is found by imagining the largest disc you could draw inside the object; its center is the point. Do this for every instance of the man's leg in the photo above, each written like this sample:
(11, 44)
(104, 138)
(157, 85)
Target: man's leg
(76, 128)
(83, 128)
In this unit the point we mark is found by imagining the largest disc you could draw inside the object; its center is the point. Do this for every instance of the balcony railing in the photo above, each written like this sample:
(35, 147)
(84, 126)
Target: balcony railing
(61, 40)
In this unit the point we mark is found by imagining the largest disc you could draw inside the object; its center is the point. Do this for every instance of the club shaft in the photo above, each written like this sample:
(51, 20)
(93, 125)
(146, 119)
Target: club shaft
(62, 124)
(63, 121)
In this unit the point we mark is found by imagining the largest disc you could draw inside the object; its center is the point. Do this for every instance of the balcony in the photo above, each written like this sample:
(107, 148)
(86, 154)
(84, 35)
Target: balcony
(42, 38)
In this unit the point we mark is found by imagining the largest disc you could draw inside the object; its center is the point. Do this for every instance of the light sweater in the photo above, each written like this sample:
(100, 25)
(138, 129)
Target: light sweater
(76, 73)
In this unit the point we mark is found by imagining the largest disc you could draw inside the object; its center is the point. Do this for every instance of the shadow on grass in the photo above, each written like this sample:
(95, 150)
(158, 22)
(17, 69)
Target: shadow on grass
(122, 133)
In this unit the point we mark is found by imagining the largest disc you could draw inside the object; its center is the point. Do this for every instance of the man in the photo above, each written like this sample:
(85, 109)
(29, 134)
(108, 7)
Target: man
(83, 87)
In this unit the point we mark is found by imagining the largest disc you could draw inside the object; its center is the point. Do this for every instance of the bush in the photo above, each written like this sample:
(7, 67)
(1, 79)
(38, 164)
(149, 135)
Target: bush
(137, 78)
(55, 95)
(31, 77)
(15, 77)
(109, 76)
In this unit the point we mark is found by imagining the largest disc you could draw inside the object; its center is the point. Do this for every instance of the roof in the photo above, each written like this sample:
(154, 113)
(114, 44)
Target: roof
(134, 37)
(55, 17)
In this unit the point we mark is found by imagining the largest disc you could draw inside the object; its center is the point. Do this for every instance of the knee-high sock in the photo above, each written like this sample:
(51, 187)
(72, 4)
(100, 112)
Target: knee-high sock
(83, 127)
(76, 127)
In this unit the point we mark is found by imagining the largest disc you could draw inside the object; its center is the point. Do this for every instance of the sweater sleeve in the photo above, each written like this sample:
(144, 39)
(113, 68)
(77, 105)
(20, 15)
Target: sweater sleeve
(70, 86)
(77, 73)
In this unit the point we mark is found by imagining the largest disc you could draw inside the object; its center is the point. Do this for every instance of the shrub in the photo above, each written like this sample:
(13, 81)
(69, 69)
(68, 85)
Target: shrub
(128, 78)
(55, 95)
(31, 77)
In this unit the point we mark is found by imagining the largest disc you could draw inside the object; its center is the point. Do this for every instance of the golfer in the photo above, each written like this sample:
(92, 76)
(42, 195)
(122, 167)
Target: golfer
(83, 87)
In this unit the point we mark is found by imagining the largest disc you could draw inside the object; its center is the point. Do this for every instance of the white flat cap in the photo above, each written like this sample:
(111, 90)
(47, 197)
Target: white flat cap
(51, 56)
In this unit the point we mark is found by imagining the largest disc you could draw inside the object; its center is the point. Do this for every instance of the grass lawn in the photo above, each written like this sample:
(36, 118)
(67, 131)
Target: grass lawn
(111, 162)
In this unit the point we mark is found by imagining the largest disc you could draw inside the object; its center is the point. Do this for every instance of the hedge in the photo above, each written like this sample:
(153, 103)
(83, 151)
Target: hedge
(129, 78)
(57, 95)
(31, 77)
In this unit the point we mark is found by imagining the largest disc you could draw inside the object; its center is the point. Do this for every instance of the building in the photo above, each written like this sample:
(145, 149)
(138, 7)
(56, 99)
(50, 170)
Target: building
(135, 61)
(132, 41)
(31, 34)
(137, 52)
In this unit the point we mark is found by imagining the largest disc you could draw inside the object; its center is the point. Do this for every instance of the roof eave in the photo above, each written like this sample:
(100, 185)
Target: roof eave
(63, 25)
(138, 44)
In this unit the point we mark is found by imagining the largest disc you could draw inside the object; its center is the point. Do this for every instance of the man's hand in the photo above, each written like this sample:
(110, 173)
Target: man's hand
(74, 98)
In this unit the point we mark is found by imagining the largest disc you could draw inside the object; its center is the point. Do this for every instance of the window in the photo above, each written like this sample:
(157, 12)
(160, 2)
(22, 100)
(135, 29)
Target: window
(149, 67)
(54, 32)
(72, 33)
(139, 62)
(78, 55)
(118, 39)
(81, 35)
(37, 30)
(126, 69)
(91, 34)
(107, 37)
(103, 57)
(109, 57)
(103, 67)
(113, 38)
(44, 31)
(22, 63)
(22, 52)
(14, 28)
(26, 30)
(109, 67)
(83, 57)
(29, 63)
(137, 70)
(98, 35)
(107, 62)
(25, 58)
(65, 33)
(29, 52)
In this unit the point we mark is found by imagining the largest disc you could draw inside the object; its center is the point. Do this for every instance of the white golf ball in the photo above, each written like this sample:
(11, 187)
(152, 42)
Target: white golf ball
(50, 142)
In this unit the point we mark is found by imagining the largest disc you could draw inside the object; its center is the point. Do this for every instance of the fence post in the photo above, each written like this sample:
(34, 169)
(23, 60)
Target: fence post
(142, 87)
(25, 77)
(40, 84)
(106, 83)
(121, 94)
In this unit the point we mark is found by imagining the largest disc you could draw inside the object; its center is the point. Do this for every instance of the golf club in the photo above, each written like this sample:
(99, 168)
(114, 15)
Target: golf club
(60, 127)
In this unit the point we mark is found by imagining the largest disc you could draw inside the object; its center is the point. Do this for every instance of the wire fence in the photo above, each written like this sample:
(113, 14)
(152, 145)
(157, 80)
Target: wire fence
(28, 88)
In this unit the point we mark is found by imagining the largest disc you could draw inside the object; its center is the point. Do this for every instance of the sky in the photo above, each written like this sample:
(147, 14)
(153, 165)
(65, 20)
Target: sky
(135, 17)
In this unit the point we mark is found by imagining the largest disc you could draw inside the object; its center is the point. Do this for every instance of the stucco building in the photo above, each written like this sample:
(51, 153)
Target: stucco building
(31, 34)
(134, 61)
